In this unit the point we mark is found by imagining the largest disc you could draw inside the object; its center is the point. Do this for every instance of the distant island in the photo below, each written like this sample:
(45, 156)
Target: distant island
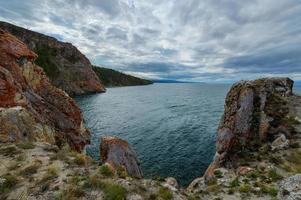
(113, 78)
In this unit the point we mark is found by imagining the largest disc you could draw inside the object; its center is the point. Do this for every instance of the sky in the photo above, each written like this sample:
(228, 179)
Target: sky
(191, 40)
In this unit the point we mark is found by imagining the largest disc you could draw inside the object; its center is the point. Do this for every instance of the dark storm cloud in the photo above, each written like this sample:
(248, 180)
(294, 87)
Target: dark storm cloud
(209, 40)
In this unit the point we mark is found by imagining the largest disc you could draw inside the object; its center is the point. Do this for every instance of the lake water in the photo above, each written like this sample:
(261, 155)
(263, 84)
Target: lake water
(172, 127)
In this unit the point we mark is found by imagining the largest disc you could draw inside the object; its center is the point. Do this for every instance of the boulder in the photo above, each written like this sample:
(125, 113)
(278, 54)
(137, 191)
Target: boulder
(31, 107)
(290, 188)
(253, 113)
(66, 67)
(116, 153)
(171, 183)
(243, 170)
(280, 143)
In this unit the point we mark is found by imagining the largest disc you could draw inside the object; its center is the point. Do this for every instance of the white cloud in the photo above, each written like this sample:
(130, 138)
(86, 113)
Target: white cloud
(209, 40)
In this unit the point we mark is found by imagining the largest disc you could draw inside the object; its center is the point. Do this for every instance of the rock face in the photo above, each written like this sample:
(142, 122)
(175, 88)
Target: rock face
(31, 108)
(255, 111)
(118, 153)
(66, 67)
(290, 188)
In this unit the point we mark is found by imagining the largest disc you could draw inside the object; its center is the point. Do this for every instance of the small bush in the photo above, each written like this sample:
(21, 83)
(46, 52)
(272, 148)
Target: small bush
(114, 192)
(80, 159)
(32, 169)
(163, 193)
(234, 183)
(245, 188)
(268, 190)
(94, 182)
(51, 173)
(121, 172)
(9, 181)
(212, 188)
(218, 174)
(26, 145)
(21, 158)
(253, 175)
(105, 170)
(274, 176)
(71, 193)
(9, 151)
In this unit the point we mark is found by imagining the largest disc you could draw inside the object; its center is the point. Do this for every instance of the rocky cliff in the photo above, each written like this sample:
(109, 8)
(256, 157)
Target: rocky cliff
(31, 109)
(255, 112)
(258, 144)
(66, 67)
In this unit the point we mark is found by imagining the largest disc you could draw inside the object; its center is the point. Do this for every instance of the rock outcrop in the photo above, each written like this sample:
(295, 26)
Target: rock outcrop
(66, 67)
(255, 111)
(31, 108)
(118, 153)
(290, 188)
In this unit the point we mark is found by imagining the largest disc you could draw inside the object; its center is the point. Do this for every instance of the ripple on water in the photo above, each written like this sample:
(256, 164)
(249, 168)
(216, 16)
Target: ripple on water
(171, 126)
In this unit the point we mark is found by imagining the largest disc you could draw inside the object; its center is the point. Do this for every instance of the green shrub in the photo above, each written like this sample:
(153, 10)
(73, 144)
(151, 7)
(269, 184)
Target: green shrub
(245, 188)
(212, 188)
(105, 170)
(114, 192)
(47, 60)
(9, 181)
(234, 183)
(9, 151)
(163, 193)
(121, 172)
(274, 176)
(26, 145)
(218, 174)
(80, 159)
(94, 182)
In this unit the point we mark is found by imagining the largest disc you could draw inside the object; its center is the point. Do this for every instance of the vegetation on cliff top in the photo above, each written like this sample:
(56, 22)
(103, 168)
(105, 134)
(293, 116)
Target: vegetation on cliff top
(113, 78)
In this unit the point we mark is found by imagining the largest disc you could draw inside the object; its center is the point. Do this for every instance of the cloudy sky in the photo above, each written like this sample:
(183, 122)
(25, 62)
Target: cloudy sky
(191, 40)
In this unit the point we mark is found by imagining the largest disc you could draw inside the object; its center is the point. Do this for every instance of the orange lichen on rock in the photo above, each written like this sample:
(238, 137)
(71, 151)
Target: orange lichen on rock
(22, 83)
(117, 153)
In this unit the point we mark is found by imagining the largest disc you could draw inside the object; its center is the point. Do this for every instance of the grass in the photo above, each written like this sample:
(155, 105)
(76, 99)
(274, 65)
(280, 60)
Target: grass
(80, 159)
(26, 145)
(94, 182)
(212, 188)
(218, 174)
(106, 171)
(51, 173)
(253, 175)
(9, 181)
(274, 176)
(114, 192)
(245, 188)
(71, 193)
(32, 169)
(162, 194)
(111, 191)
(266, 189)
(10, 151)
(121, 172)
(235, 183)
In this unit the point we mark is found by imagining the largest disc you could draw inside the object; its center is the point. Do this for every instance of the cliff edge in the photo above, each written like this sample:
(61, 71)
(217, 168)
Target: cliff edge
(258, 144)
(31, 109)
(66, 67)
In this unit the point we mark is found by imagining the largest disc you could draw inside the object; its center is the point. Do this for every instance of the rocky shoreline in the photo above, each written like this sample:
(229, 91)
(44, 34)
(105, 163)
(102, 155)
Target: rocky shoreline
(43, 137)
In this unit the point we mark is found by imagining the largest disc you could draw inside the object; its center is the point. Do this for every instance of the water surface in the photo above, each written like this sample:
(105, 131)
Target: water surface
(172, 127)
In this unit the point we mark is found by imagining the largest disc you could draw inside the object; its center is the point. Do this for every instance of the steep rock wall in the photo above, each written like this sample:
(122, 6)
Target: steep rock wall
(31, 107)
(66, 67)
